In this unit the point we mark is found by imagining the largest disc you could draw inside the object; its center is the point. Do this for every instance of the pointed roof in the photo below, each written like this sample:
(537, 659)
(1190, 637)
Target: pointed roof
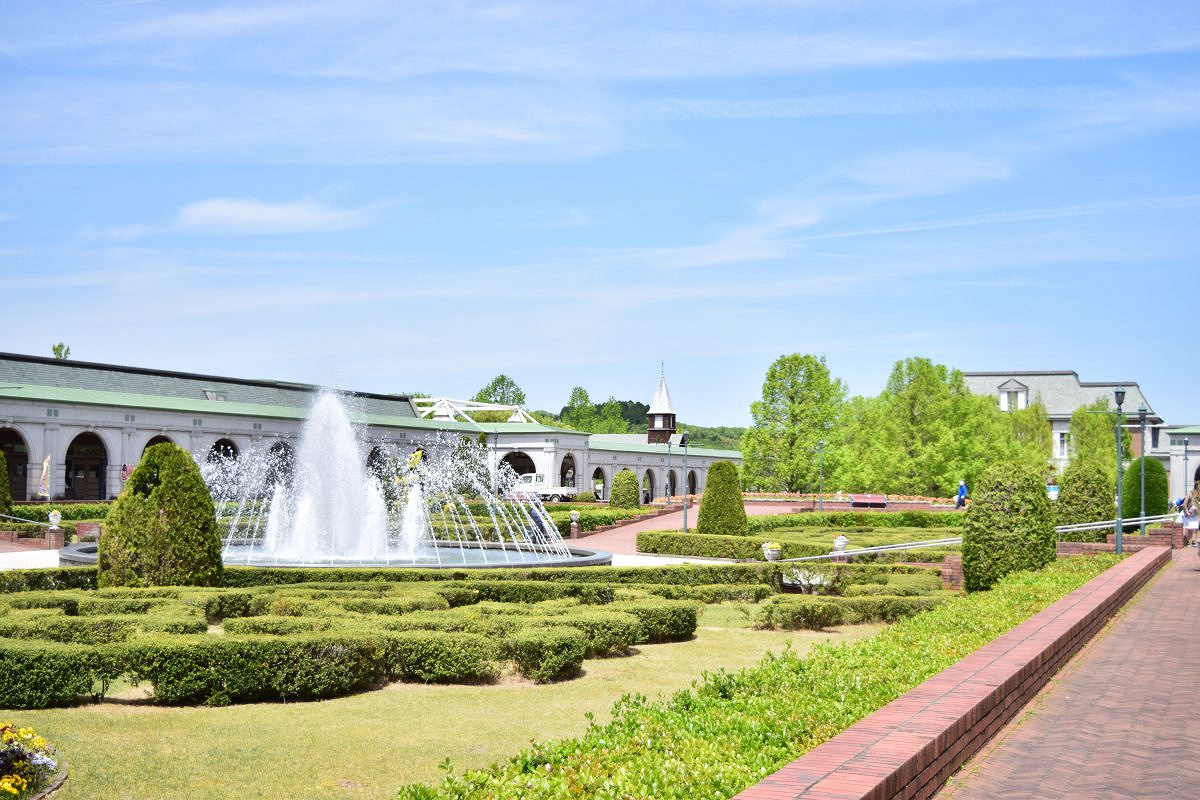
(661, 404)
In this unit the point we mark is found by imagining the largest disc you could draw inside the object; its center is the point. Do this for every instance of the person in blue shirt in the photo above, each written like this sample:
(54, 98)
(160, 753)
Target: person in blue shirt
(960, 500)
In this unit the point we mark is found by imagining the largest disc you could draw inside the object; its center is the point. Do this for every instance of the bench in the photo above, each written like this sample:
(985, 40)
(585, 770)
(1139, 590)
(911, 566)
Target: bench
(868, 501)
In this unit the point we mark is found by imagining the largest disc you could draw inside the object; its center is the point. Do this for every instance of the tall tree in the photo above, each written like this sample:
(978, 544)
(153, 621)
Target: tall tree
(61, 351)
(800, 402)
(1031, 427)
(579, 412)
(502, 390)
(1093, 438)
(609, 418)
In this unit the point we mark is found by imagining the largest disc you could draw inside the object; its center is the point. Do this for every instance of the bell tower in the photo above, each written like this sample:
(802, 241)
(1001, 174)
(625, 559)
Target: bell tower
(661, 423)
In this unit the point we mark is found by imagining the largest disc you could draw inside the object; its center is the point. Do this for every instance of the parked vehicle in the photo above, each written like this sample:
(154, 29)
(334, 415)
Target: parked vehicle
(536, 483)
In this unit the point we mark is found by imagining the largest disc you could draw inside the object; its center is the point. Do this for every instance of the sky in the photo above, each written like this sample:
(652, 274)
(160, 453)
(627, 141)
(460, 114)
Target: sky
(415, 197)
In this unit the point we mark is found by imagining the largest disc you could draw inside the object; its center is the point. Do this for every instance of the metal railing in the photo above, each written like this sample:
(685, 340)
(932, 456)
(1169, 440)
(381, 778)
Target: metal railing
(28, 521)
(883, 548)
(1110, 524)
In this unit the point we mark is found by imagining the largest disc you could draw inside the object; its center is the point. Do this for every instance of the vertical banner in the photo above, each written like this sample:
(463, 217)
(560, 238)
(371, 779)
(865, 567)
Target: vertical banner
(43, 489)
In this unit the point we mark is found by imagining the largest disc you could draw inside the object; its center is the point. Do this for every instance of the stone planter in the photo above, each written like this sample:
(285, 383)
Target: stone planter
(772, 553)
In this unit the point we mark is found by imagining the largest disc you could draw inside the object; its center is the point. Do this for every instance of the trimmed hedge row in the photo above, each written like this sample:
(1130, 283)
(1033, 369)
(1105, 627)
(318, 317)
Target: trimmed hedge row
(815, 613)
(731, 730)
(850, 519)
(704, 545)
(40, 512)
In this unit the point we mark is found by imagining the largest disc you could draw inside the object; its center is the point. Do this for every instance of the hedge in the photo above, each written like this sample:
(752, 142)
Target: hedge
(735, 728)
(1009, 526)
(40, 512)
(436, 657)
(546, 654)
(1157, 493)
(625, 491)
(662, 620)
(722, 508)
(39, 674)
(815, 613)
(701, 545)
(852, 519)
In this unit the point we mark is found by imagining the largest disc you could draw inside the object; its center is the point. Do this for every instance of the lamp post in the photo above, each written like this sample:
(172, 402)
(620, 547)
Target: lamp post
(668, 480)
(683, 442)
(1186, 488)
(1142, 424)
(1119, 395)
(821, 475)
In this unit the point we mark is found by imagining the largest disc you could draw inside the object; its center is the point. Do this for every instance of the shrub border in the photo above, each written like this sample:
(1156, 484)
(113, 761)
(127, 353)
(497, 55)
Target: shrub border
(912, 745)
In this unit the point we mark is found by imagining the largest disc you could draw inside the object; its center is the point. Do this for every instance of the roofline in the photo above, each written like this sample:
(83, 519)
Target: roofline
(270, 384)
(1019, 373)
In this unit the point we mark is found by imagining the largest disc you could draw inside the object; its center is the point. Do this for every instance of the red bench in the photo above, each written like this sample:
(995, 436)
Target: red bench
(868, 501)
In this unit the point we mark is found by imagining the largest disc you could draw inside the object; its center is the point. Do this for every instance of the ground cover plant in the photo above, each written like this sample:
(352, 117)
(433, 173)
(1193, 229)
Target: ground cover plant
(27, 762)
(735, 728)
(399, 733)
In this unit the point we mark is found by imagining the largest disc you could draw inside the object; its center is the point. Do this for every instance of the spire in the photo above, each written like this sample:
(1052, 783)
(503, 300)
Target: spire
(661, 404)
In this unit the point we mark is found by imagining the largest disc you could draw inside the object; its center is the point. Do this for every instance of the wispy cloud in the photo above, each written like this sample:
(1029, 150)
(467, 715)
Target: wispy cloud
(231, 215)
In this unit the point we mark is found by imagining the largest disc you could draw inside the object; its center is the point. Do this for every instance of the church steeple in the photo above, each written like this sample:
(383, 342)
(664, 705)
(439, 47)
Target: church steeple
(661, 423)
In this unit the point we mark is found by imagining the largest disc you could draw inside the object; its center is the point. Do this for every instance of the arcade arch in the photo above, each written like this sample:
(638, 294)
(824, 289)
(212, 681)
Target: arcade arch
(86, 468)
(647, 486)
(691, 481)
(160, 439)
(566, 472)
(520, 462)
(223, 449)
(16, 454)
(599, 483)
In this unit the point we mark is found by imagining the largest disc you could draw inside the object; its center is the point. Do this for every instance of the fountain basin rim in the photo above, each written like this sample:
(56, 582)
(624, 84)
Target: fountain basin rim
(85, 554)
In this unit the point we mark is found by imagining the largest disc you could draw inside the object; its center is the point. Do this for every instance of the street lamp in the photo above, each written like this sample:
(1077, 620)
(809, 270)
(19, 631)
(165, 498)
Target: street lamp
(683, 442)
(1142, 424)
(1119, 395)
(821, 475)
(1186, 488)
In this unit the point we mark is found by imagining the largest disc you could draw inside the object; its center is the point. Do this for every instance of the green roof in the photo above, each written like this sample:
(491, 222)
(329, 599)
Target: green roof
(660, 449)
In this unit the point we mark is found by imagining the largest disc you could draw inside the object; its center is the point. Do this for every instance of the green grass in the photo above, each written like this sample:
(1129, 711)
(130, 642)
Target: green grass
(367, 745)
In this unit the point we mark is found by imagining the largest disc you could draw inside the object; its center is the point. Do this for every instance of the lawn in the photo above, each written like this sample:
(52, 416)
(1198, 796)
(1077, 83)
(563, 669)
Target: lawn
(367, 745)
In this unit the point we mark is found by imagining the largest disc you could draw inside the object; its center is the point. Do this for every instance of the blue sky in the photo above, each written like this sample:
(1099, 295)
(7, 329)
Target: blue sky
(417, 196)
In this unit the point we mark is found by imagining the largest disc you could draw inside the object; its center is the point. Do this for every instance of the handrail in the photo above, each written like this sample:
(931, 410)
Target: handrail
(883, 548)
(27, 521)
(1109, 524)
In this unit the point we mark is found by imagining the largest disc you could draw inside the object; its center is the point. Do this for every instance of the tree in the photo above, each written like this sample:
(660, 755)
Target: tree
(1093, 438)
(625, 493)
(61, 351)
(162, 529)
(1008, 527)
(1031, 427)
(722, 510)
(922, 435)
(1157, 493)
(1085, 494)
(579, 412)
(609, 418)
(502, 390)
(5, 488)
(800, 402)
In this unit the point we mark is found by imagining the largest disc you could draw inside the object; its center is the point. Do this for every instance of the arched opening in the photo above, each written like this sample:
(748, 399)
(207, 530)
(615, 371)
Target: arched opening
(520, 462)
(16, 453)
(672, 484)
(691, 481)
(599, 484)
(566, 472)
(86, 468)
(160, 439)
(647, 486)
(223, 450)
(281, 460)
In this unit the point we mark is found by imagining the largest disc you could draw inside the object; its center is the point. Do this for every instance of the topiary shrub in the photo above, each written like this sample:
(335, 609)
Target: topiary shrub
(546, 654)
(625, 492)
(722, 511)
(1009, 526)
(162, 530)
(1085, 495)
(1157, 494)
(5, 489)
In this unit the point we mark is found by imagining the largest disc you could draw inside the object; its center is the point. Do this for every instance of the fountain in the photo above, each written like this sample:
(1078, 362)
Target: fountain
(329, 506)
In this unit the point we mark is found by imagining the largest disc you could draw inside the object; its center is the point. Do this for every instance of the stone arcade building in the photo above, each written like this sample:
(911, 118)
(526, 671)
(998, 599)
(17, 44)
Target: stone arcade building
(81, 425)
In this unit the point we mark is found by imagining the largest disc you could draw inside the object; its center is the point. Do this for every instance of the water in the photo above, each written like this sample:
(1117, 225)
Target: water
(323, 505)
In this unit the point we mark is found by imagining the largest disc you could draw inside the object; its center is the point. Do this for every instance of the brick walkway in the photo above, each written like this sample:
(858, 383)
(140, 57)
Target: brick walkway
(623, 540)
(1122, 720)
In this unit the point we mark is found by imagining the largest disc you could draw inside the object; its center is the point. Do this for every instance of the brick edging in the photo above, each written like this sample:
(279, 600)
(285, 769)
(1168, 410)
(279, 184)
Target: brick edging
(908, 748)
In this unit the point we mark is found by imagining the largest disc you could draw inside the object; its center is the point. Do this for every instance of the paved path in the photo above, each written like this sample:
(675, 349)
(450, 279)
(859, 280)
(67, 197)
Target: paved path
(1122, 720)
(623, 540)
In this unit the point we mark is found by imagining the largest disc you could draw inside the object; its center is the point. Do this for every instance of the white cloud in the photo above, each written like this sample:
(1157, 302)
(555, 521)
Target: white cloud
(232, 215)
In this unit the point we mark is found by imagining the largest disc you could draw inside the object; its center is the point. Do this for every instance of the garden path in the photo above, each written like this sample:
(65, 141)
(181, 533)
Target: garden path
(1121, 720)
(623, 540)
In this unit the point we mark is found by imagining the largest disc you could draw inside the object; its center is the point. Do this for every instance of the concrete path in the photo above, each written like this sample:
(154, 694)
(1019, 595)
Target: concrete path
(623, 540)
(1122, 720)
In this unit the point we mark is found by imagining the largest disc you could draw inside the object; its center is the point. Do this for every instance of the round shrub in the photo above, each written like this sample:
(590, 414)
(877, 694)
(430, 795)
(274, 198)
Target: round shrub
(1157, 494)
(546, 654)
(162, 530)
(1085, 495)
(722, 511)
(1009, 526)
(625, 492)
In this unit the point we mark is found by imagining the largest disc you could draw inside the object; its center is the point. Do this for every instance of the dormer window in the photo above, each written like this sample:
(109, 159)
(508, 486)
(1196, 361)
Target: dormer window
(1014, 396)
(213, 394)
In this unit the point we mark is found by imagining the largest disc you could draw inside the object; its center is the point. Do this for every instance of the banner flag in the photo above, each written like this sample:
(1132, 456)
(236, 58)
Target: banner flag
(44, 483)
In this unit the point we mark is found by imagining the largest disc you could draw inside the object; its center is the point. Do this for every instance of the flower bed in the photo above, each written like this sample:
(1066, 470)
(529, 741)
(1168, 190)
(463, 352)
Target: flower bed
(734, 729)
(27, 762)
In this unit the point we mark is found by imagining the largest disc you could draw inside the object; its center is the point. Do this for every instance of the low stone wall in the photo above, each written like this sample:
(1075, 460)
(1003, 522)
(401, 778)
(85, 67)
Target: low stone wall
(908, 748)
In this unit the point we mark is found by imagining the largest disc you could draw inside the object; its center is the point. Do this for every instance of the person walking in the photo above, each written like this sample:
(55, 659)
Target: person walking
(960, 500)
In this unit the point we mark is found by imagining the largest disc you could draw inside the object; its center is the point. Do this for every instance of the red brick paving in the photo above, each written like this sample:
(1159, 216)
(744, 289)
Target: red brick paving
(1122, 720)
(623, 539)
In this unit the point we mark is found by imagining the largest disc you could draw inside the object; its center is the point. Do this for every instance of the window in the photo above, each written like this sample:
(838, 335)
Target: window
(129, 417)
(258, 426)
(51, 412)
(1154, 438)
(196, 422)
(1012, 400)
(1064, 444)
(213, 394)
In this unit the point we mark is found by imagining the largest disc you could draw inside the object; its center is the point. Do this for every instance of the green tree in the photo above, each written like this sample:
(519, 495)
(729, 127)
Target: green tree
(1157, 492)
(1085, 494)
(800, 403)
(722, 509)
(61, 351)
(5, 488)
(502, 390)
(162, 529)
(1093, 438)
(609, 418)
(625, 492)
(579, 412)
(1009, 526)
(922, 435)
(1031, 428)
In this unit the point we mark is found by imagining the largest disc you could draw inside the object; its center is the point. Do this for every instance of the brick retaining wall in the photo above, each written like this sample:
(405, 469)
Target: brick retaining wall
(908, 748)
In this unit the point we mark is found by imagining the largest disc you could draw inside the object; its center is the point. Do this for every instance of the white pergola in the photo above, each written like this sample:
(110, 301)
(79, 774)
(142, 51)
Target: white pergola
(447, 408)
